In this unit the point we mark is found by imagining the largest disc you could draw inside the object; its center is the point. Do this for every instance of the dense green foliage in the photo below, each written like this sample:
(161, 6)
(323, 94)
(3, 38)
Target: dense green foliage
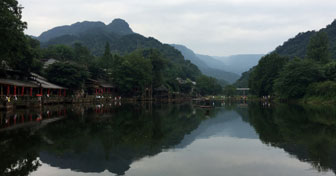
(322, 89)
(318, 48)
(67, 74)
(59, 52)
(230, 90)
(296, 76)
(133, 74)
(15, 48)
(262, 77)
(208, 86)
(312, 76)
(330, 71)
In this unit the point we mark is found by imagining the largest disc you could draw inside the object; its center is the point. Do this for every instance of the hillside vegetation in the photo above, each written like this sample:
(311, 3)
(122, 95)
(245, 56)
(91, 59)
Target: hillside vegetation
(290, 76)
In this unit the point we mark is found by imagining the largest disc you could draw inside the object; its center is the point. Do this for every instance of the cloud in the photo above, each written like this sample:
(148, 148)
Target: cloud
(215, 27)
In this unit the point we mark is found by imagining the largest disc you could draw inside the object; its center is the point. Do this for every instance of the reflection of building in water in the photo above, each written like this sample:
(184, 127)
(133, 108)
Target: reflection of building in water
(27, 118)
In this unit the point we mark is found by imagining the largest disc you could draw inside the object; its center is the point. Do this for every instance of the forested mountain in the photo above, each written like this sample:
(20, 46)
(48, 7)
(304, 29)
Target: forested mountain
(217, 72)
(120, 37)
(117, 55)
(297, 46)
(95, 35)
(117, 27)
(304, 67)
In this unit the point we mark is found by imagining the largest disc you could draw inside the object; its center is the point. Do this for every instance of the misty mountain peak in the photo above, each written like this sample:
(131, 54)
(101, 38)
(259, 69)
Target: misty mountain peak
(119, 26)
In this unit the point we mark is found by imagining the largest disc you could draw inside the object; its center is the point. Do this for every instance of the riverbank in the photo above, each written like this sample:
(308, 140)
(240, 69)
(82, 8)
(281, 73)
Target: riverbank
(8, 103)
(317, 100)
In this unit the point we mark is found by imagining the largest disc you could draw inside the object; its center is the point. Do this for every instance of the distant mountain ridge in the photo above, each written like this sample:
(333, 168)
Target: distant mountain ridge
(218, 72)
(117, 26)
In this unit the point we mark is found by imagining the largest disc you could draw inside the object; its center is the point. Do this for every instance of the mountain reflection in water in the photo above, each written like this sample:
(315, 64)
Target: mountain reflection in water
(149, 139)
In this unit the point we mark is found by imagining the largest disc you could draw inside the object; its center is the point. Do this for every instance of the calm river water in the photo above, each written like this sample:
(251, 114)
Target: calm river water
(169, 140)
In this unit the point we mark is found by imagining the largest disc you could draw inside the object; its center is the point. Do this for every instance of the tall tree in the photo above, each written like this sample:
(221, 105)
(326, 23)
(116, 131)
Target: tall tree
(13, 43)
(107, 58)
(11, 27)
(158, 65)
(318, 48)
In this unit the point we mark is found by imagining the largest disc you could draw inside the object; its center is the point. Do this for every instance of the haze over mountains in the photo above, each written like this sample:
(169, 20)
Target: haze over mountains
(122, 40)
(227, 68)
(220, 74)
(239, 63)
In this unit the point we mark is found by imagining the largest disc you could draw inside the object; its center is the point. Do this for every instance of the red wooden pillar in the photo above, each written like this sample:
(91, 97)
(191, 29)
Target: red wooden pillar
(22, 91)
(14, 90)
(64, 92)
(41, 91)
(48, 91)
(31, 91)
(8, 89)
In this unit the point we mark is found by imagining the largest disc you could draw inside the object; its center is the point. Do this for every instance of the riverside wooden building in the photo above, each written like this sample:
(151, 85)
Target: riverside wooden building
(34, 86)
(18, 90)
(100, 87)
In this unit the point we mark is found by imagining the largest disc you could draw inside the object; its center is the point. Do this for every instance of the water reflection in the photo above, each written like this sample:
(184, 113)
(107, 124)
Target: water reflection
(125, 139)
(308, 133)
(130, 133)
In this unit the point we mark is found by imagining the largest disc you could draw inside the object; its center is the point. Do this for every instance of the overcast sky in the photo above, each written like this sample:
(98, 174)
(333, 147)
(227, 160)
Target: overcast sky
(213, 27)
